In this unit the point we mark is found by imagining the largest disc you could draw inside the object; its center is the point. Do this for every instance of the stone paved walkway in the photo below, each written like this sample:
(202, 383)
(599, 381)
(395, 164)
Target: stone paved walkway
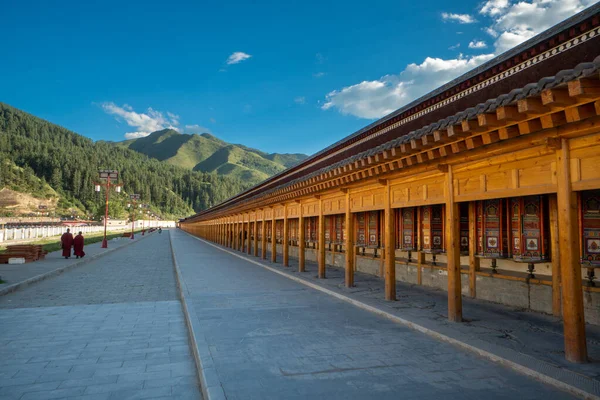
(531, 334)
(112, 329)
(273, 338)
(15, 273)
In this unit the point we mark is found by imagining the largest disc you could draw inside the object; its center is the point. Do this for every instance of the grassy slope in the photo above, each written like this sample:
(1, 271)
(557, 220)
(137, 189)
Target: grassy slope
(25, 181)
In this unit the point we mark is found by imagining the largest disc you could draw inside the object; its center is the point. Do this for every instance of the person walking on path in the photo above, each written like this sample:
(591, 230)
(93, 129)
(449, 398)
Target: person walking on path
(78, 246)
(66, 241)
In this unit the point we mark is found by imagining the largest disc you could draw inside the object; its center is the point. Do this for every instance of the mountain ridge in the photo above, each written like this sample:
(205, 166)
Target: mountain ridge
(207, 153)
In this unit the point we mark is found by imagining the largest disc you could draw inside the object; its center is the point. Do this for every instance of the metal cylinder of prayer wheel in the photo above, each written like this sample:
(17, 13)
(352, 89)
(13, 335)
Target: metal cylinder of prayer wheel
(406, 230)
(432, 229)
(529, 230)
(589, 222)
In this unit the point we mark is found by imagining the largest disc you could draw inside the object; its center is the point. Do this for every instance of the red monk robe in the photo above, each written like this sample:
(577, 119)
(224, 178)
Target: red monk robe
(66, 241)
(78, 245)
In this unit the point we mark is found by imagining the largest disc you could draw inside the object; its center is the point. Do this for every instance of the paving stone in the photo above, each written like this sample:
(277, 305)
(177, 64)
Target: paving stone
(86, 334)
(297, 342)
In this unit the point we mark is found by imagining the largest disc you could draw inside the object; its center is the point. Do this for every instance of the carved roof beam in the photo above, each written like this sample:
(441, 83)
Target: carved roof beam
(557, 97)
(527, 127)
(488, 120)
(532, 107)
(508, 113)
(585, 88)
(508, 132)
(553, 120)
(490, 137)
(579, 113)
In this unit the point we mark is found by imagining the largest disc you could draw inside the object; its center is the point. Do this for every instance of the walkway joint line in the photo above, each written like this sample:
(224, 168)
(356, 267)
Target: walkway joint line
(210, 390)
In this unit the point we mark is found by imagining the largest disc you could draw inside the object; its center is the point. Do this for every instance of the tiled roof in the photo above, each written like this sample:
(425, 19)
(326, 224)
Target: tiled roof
(582, 70)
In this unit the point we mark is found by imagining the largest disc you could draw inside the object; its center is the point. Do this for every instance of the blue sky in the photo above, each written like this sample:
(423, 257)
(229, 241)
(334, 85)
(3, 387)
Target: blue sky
(306, 73)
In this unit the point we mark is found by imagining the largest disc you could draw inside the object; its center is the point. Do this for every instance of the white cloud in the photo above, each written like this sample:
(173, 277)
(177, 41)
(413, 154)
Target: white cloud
(477, 44)
(319, 75)
(456, 46)
(146, 123)
(374, 99)
(516, 22)
(490, 31)
(237, 57)
(212, 120)
(136, 135)
(493, 7)
(149, 121)
(195, 129)
(300, 100)
(511, 24)
(460, 18)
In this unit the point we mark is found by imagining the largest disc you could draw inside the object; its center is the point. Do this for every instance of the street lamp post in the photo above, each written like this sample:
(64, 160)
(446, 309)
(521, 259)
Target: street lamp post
(134, 198)
(106, 178)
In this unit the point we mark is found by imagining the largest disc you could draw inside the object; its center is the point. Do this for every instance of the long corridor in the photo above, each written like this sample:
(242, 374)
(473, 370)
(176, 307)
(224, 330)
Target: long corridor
(272, 338)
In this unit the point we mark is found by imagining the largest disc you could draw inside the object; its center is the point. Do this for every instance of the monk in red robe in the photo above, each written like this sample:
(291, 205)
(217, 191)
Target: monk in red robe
(78, 246)
(66, 241)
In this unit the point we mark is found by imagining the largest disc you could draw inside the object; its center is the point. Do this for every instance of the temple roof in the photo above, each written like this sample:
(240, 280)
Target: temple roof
(568, 50)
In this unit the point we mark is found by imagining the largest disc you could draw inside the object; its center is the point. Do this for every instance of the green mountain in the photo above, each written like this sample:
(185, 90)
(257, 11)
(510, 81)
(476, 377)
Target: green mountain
(33, 148)
(207, 153)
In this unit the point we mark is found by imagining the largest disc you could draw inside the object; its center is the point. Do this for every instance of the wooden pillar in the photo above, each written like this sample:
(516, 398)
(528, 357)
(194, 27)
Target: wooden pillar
(263, 228)
(234, 235)
(473, 260)
(242, 243)
(570, 269)
(255, 244)
(244, 233)
(301, 240)
(223, 226)
(241, 234)
(230, 234)
(234, 232)
(273, 238)
(286, 238)
(555, 255)
(350, 252)
(249, 244)
(453, 251)
(321, 242)
(389, 247)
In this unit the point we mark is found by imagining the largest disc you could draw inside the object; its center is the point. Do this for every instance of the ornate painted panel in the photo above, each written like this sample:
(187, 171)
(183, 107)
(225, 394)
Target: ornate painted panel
(269, 230)
(589, 214)
(529, 228)
(279, 230)
(464, 228)
(310, 229)
(492, 232)
(432, 228)
(406, 228)
(340, 228)
(367, 229)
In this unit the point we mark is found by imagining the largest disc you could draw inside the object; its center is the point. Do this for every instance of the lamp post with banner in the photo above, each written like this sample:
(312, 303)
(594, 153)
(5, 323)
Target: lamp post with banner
(134, 198)
(107, 178)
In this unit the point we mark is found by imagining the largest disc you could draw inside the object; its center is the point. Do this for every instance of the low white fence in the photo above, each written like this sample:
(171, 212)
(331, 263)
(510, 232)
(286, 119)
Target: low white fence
(40, 232)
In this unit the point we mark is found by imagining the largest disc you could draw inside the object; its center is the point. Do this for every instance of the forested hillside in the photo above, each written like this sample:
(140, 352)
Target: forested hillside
(69, 163)
(207, 153)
